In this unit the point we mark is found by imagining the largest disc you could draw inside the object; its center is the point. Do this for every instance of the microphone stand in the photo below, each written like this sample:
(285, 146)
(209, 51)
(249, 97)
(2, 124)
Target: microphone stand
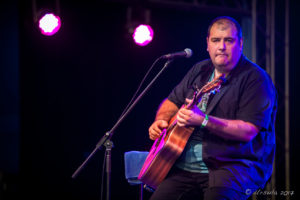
(106, 138)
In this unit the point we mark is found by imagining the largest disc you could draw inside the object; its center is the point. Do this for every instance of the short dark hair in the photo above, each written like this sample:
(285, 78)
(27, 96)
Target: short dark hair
(222, 18)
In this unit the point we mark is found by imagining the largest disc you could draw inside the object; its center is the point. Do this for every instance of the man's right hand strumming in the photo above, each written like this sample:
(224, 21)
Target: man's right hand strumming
(156, 128)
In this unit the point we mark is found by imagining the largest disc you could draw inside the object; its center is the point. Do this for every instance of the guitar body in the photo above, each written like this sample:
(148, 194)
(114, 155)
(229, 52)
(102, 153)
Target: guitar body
(163, 154)
(169, 146)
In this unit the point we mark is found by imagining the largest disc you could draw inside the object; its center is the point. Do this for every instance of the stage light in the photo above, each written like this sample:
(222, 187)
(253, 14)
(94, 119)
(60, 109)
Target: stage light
(143, 35)
(49, 24)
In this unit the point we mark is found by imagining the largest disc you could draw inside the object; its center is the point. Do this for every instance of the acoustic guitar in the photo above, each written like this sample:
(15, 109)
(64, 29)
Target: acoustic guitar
(168, 147)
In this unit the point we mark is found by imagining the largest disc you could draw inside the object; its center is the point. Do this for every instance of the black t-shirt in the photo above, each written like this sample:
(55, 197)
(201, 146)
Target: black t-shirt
(248, 95)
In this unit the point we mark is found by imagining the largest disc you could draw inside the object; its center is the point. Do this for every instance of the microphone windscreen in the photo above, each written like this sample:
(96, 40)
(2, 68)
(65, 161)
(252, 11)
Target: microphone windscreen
(188, 52)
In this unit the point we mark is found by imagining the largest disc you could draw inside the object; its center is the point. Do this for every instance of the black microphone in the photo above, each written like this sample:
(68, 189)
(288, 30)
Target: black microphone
(186, 53)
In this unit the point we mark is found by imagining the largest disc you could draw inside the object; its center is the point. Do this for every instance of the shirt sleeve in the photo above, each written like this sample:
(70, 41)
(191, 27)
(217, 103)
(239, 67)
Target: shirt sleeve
(183, 89)
(257, 100)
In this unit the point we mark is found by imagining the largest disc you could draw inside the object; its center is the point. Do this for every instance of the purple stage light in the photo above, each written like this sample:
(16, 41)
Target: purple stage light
(49, 24)
(143, 35)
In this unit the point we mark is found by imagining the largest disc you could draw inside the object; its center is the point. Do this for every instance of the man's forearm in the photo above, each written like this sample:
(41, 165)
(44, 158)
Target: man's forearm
(166, 110)
(232, 129)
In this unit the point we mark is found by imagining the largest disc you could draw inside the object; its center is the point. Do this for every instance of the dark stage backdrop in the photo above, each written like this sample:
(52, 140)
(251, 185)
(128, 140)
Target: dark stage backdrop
(75, 84)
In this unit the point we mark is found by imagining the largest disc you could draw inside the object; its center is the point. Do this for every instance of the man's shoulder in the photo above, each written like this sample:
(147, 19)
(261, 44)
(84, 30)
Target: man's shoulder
(251, 72)
(253, 68)
(202, 65)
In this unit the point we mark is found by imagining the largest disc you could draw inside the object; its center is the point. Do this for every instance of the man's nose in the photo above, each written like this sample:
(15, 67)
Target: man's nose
(222, 45)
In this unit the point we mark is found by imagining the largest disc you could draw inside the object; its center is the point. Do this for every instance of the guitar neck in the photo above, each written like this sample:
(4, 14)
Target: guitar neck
(209, 87)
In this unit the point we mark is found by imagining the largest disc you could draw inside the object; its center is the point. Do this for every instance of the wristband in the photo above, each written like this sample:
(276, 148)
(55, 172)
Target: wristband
(204, 121)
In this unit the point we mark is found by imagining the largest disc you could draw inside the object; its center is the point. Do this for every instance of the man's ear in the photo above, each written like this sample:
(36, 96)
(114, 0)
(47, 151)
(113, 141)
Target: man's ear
(207, 39)
(241, 44)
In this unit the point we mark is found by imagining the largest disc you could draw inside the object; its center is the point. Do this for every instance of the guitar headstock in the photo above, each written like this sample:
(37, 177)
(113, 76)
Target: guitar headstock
(211, 87)
(214, 85)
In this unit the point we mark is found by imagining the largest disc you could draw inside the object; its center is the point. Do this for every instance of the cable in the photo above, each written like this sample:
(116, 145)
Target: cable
(139, 87)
